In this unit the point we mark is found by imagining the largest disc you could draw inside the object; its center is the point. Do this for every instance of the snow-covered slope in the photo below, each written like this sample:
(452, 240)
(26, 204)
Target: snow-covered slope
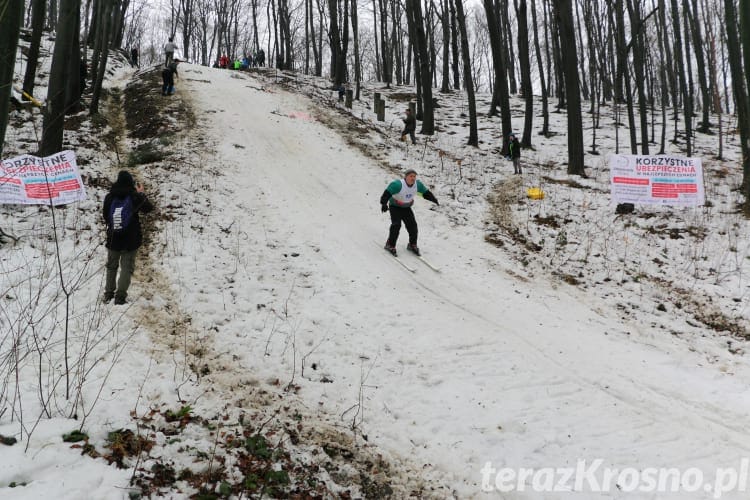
(456, 369)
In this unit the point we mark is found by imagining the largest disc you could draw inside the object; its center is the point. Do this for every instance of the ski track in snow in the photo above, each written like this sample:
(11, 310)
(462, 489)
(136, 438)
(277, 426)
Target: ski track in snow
(458, 368)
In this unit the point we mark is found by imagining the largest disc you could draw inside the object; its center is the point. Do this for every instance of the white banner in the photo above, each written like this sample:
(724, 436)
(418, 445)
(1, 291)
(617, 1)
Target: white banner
(656, 180)
(31, 180)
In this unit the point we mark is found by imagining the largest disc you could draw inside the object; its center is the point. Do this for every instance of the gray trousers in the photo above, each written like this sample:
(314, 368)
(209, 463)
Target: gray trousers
(517, 165)
(125, 260)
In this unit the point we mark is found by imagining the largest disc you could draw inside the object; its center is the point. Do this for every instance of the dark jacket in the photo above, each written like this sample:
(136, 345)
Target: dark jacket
(131, 237)
(170, 70)
(514, 148)
(410, 123)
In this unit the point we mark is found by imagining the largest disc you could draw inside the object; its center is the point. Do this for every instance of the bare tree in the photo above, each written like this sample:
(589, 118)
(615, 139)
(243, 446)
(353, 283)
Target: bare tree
(468, 83)
(339, 41)
(525, 66)
(11, 17)
(421, 59)
(500, 94)
(444, 18)
(542, 82)
(54, 115)
(454, 47)
(740, 95)
(357, 62)
(107, 14)
(37, 25)
(569, 58)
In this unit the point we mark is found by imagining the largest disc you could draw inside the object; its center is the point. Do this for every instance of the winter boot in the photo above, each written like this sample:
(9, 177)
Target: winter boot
(413, 248)
(107, 297)
(390, 248)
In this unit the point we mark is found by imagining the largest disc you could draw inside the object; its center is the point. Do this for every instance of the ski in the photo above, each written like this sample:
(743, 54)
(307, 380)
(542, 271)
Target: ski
(424, 261)
(428, 263)
(404, 264)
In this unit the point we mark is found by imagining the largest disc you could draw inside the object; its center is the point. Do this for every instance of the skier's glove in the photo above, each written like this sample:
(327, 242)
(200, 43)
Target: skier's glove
(384, 208)
(430, 197)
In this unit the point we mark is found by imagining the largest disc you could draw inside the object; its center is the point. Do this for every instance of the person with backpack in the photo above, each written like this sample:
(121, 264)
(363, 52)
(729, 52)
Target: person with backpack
(514, 152)
(122, 205)
(398, 197)
(168, 75)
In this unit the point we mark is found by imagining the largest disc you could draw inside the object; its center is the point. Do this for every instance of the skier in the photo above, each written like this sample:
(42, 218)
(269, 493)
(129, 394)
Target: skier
(399, 197)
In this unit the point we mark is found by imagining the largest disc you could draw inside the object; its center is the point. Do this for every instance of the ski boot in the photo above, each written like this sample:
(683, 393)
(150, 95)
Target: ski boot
(390, 248)
(413, 248)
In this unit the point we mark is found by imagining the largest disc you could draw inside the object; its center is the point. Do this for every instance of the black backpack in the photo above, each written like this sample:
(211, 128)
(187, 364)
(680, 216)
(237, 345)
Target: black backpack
(121, 212)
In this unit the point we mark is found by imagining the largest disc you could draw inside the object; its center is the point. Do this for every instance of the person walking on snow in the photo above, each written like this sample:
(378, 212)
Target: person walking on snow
(168, 75)
(514, 151)
(410, 125)
(398, 197)
(121, 207)
(169, 49)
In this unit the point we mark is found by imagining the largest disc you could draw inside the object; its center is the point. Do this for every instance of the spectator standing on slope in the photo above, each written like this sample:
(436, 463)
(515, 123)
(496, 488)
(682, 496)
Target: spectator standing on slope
(169, 49)
(398, 198)
(168, 75)
(121, 207)
(410, 125)
(514, 151)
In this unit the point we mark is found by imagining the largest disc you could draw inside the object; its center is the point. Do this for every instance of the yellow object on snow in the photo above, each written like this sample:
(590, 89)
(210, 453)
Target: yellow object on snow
(535, 193)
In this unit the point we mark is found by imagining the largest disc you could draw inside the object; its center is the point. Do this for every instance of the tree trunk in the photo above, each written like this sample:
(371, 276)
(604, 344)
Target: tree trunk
(744, 15)
(501, 84)
(569, 58)
(74, 85)
(357, 62)
(454, 47)
(445, 85)
(52, 17)
(581, 66)
(107, 8)
(639, 63)
(338, 47)
(386, 50)
(421, 59)
(378, 70)
(738, 88)
(700, 60)
(37, 25)
(507, 44)
(468, 83)
(542, 82)
(10, 28)
(525, 66)
(54, 116)
(679, 61)
(688, 99)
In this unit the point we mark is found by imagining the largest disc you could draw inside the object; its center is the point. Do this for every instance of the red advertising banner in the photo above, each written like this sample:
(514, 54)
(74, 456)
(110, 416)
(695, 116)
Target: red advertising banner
(656, 180)
(31, 180)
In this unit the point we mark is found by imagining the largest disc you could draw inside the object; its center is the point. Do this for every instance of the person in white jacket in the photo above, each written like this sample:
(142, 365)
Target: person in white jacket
(169, 51)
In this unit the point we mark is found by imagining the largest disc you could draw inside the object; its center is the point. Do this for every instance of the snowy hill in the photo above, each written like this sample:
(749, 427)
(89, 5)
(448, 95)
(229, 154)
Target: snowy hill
(264, 311)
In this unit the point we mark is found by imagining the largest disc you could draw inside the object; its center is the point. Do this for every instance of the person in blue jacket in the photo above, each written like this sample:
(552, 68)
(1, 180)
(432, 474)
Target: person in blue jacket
(398, 198)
